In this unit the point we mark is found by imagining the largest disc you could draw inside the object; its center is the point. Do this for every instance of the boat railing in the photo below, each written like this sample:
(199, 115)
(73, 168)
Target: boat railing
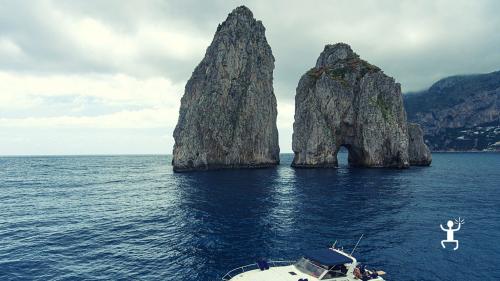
(253, 266)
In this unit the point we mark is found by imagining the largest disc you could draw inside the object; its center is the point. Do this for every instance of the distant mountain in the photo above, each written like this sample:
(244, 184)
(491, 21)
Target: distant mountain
(459, 113)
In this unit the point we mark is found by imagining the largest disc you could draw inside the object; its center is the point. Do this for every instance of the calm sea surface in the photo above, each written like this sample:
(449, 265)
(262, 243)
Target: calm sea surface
(131, 217)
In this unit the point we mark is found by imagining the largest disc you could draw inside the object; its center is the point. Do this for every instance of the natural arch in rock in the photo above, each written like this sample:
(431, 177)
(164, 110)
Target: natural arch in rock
(353, 155)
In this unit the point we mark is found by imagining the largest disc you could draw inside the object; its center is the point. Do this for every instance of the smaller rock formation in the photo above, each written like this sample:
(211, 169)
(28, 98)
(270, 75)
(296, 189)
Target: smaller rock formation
(419, 153)
(228, 112)
(346, 101)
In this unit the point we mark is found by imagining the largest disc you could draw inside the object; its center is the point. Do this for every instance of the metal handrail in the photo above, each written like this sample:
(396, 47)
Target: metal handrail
(245, 268)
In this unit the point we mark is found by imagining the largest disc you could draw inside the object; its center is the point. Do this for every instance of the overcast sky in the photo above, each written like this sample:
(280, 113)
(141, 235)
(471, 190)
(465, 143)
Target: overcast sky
(106, 77)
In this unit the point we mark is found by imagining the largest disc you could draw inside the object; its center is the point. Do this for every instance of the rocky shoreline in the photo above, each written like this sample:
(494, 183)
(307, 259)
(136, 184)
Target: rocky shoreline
(459, 113)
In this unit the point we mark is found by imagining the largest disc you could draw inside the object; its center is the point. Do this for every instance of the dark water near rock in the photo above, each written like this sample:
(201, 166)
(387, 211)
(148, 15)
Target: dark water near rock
(131, 217)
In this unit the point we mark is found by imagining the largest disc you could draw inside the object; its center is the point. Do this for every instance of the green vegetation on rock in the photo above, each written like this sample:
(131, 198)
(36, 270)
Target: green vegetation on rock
(385, 109)
(351, 65)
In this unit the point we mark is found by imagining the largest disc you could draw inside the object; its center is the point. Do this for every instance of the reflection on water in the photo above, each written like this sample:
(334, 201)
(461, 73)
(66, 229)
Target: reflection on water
(238, 216)
(131, 217)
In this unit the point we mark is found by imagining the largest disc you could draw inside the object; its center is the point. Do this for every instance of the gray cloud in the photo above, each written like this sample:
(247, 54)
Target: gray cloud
(48, 46)
(417, 42)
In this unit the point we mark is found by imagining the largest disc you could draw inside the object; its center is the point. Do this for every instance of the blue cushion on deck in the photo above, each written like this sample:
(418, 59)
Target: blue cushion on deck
(263, 265)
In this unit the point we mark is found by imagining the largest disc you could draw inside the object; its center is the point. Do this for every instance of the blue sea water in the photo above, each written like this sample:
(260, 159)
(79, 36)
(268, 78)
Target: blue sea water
(132, 218)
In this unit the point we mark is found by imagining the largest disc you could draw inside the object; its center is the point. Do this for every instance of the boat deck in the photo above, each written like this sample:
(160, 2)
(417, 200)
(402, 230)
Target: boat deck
(279, 273)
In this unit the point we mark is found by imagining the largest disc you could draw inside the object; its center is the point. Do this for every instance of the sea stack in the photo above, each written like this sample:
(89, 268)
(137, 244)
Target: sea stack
(227, 117)
(345, 101)
(419, 153)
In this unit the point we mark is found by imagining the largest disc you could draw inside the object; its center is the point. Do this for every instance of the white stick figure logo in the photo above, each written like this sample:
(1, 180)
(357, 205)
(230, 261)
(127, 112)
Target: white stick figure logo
(450, 232)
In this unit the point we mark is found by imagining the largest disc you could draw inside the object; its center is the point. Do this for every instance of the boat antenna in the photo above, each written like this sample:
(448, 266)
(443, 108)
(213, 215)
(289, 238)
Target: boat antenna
(334, 243)
(357, 243)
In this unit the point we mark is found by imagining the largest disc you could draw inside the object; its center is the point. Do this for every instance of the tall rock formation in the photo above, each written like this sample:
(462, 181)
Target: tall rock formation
(459, 113)
(345, 101)
(419, 153)
(228, 112)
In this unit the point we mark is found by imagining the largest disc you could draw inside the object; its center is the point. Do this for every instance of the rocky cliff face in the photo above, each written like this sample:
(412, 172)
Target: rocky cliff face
(419, 153)
(345, 101)
(459, 112)
(228, 112)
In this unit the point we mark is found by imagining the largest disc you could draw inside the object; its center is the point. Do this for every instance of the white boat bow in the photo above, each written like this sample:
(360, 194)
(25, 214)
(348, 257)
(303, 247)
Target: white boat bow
(326, 264)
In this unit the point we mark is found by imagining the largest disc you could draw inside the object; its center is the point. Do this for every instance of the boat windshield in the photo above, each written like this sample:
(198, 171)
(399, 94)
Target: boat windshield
(306, 266)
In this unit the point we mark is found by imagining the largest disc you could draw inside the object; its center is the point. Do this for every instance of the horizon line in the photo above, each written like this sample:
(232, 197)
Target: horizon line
(97, 154)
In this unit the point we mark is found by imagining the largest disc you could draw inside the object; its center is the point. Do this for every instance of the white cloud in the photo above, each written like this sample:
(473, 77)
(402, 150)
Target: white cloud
(100, 41)
(140, 119)
(180, 45)
(52, 36)
(9, 48)
(286, 111)
(29, 90)
(155, 101)
(126, 49)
